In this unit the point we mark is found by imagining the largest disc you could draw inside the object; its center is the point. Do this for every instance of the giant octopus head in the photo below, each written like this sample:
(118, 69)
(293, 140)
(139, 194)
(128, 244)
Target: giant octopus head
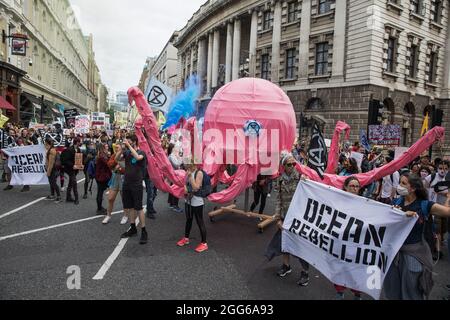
(248, 123)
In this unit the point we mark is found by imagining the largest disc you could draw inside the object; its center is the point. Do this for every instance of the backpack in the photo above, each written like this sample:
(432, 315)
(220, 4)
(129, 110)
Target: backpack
(429, 232)
(206, 188)
(91, 169)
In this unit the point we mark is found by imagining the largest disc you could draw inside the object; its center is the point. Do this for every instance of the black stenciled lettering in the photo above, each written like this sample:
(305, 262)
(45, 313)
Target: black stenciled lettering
(335, 223)
(344, 254)
(29, 158)
(314, 237)
(36, 158)
(323, 242)
(329, 211)
(369, 261)
(311, 213)
(41, 158)
(296, 224)
(357, 233)
(303, 231)
(376, 235)
(383, 261)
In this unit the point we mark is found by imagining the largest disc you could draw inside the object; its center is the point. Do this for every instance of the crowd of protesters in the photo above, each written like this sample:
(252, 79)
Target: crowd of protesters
(119, 167)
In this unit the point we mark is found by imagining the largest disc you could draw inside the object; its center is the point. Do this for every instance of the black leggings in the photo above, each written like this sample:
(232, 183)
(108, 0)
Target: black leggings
(101, 188)
(86, 182)
(173, 201)
(198, 213)
(72, 186)
(258, 196)
(53, 184)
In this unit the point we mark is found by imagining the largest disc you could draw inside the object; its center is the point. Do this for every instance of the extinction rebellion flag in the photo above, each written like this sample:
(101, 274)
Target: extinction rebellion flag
(318, 152)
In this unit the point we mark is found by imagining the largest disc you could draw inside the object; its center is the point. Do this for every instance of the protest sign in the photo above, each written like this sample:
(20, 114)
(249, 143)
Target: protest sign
(27, 165)
(3, 120)
(78, 162)
(385, 135)
(359, 157)
(318, 152)
(98, 119)
(82, 124)
(70, 116)
(352, 240)
(158, 96)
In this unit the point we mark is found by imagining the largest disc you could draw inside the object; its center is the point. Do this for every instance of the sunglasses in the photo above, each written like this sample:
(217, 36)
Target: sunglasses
(290, 165)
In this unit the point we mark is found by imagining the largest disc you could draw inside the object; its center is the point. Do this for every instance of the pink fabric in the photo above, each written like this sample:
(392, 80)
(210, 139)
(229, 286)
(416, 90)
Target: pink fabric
(333, 156)
(365, 179)
(232, 106)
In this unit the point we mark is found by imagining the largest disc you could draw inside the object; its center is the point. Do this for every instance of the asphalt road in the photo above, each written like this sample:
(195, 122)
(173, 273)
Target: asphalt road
(34, 265)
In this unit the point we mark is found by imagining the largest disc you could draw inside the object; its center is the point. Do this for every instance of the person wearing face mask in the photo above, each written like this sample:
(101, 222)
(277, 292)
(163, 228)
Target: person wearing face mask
(439, 197)
(410, 276)
(287, 186)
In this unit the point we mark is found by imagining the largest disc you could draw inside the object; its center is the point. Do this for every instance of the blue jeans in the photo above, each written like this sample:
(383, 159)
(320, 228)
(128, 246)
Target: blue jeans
(151, 195)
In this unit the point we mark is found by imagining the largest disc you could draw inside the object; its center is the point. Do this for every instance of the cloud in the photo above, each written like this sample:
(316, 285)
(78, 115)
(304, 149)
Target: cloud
(127, 32)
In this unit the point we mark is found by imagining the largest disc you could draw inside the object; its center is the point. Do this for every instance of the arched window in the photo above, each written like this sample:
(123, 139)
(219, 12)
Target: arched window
(388, 111)
(314, 104)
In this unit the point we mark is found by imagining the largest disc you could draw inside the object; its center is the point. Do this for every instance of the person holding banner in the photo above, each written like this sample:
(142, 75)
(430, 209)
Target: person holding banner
(68, 161)
(353, 186)
(410, 276)
(52, 171)
(287, 186)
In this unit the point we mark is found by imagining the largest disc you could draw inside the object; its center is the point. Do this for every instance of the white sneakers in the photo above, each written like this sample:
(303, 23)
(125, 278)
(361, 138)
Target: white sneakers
(124, 220)
(106, 220)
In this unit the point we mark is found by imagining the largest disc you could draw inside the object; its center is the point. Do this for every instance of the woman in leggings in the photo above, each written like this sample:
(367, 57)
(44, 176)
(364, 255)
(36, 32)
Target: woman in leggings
(194, 208)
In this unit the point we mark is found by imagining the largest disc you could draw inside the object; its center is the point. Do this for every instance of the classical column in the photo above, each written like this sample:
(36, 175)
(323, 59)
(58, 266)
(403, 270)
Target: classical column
(446, 87)
(209, 70)
(215, 60)
(340, 27)
(276, 39)
(236, 49)
(305, 30)
(192, 59)
(253, 43)
(229, 53)
(201, 60)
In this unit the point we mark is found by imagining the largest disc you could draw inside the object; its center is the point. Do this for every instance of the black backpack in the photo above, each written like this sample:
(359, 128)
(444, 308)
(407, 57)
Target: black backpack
(206, 189)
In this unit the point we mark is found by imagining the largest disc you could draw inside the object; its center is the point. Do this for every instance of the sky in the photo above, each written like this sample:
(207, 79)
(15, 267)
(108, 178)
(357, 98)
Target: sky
(126, 32)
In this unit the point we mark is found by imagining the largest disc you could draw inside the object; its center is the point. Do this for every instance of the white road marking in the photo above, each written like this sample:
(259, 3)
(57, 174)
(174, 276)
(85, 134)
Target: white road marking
(29, 204)
(109, 262)
(21, 208)
(54, 227)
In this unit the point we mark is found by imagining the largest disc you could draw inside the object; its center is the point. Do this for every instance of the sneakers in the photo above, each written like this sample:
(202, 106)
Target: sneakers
(106, 220)
(85, 196)
(50, 198)
(130, 233)
(178, 210)
(202, 248)
(304, 280)
(8, 188)
(183, 242)
(58, 200)
(76, 202)
(144, 237)
(63, 189)
(25, 189)
(124, 220)
(284, 271)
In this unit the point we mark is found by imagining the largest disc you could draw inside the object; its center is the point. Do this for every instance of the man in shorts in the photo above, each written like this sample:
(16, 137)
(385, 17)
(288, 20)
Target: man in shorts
(133, 189)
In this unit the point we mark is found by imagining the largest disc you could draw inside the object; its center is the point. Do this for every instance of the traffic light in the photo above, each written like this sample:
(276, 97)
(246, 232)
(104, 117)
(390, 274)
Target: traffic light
(438, 116)
(375, 112)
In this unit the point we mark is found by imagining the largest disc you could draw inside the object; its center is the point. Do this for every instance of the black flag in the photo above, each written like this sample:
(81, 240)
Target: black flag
(318, 152)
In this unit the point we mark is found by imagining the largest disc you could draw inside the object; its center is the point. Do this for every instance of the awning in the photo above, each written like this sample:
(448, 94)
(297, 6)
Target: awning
(6, 105)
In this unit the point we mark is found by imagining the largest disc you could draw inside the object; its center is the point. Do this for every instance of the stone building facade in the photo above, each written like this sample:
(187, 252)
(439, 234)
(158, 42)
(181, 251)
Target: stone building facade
(332, 57)
(59, 62)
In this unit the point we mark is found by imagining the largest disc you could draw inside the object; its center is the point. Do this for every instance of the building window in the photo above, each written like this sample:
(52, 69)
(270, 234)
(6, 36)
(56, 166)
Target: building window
(324, 6)
(437, 11)
(268, 20)
(392, 43)
(322, 58)
(413, 61)
(265, 66)
(292, 11)
(432, 67)
(415, 6)
(290, 63)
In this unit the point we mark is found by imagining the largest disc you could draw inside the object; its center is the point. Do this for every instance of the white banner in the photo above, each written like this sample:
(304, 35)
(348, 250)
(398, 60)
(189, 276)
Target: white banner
(351, 240)
(27, 165)
(158, 96)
